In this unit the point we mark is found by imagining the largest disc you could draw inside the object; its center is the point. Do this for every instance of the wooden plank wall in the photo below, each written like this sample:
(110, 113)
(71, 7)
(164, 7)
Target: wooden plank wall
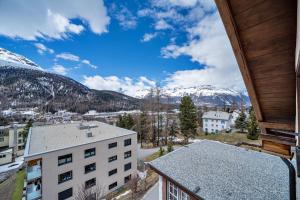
(263, 37)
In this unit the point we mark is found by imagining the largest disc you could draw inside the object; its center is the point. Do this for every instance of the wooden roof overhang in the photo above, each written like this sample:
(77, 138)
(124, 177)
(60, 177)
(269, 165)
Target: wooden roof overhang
(263, 37)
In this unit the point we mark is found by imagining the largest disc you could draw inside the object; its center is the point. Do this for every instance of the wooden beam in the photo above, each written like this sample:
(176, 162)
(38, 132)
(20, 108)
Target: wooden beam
(232, 32)
(279, 149)
(280, 126)
(279, 139)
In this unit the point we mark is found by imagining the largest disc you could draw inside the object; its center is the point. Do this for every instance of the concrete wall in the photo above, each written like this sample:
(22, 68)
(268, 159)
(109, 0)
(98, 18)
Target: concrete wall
(51, 170)
(5, 157)
(5, 142)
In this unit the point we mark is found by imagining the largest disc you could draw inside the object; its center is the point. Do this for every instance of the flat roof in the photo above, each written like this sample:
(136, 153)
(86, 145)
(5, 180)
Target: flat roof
(223, 171)
(216, 115)
(47, 138)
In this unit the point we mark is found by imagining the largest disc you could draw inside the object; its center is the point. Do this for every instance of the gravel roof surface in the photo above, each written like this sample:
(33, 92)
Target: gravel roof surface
(226, 172)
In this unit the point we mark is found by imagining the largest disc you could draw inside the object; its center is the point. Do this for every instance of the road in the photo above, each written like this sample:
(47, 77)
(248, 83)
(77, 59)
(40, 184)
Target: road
(143, 153)
(153, 193)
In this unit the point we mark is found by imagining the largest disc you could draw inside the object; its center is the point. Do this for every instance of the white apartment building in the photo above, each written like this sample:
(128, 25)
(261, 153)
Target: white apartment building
(64, 159)
(11, 143)
(215, 121)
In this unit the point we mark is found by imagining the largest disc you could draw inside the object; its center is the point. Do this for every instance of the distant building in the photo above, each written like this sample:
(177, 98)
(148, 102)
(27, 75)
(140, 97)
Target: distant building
(216, 121)
(213, 170)
(62, 158)
(11, 143)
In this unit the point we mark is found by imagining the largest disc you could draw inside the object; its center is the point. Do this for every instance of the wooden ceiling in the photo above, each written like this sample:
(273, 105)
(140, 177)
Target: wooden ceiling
(263, 37)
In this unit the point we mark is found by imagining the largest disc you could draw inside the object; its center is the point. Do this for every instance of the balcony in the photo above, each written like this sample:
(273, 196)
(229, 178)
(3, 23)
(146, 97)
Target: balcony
(34, 192)
(33, 172)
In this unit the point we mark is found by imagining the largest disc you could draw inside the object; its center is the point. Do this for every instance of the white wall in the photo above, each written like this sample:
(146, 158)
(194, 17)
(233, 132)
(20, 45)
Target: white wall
(5, 157)
(215, 125)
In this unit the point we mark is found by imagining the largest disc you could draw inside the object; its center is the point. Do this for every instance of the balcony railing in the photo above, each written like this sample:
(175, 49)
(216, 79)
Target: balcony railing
(34, 192)
(33, 172)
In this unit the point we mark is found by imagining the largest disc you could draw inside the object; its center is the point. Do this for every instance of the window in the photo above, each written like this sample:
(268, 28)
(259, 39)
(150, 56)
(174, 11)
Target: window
(89, 152)
(64, 159)
(127, 142)
(112, 172)
(217, 130)
(1, 139)
(113, 185)
(206, 120)
(127, 178)
(184, 196)
(127, 154)
(64, 177)
(89, 168)
(222, 127)
(222, 122)
(90, 183)
(21, 147)
(112, 145)
(19, 140)
(172, 192)
(65, 194)
(212, 125)
(127, 166)
(2, 156)
(112, 158)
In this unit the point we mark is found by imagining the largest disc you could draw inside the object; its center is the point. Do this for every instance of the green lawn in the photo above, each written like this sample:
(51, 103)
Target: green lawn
(18, 191)
(231, 138)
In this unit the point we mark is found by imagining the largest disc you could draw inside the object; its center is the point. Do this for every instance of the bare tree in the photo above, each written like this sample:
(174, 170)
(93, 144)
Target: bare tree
(94, 193)
(133, 185)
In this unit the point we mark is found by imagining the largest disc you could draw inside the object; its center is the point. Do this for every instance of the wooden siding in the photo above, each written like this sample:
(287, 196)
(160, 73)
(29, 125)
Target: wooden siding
(263, 38)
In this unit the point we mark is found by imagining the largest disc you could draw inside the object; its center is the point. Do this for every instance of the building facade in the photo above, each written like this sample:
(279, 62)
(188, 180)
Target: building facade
(99, 158)
(216, 121)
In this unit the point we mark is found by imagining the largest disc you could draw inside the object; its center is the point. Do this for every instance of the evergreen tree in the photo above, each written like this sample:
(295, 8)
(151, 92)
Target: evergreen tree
(143, 127)
(125, 121)
(25, 130)
(240, 122)
(188, 118)
(173, 129)
(252, 126)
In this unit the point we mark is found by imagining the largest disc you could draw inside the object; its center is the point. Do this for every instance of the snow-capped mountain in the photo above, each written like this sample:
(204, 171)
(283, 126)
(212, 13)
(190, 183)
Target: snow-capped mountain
(13, 60)
(205, 95)
(24, 84)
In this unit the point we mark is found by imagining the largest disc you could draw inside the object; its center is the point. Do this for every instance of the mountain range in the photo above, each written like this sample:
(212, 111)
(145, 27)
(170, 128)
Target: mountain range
(204, 95)
(23, 83)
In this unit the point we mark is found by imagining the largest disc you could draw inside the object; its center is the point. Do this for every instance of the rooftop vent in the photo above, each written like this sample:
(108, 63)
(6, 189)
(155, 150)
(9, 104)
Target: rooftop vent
(87, 126)
(197, 189)
(89, 134)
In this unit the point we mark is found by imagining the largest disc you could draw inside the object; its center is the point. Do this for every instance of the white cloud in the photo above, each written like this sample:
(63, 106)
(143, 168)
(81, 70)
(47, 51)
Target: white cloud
(162, 25)
(126, 19)
(125, 85)
(208, 45)
(43, 49)
(51, 19)
(87, 62)
(68, 56)
(59, 69)
(148, 36)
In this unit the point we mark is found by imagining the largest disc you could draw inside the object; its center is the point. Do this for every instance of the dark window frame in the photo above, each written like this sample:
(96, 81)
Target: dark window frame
(127, 142)
(112, 172)
(65, 194)
(89, 152)
(112, 158)
(127, 166)
(90, 183)
(113, 185)
(68, 178)
(65, 157)
(88, 170)
(127, 154)
(112, 145)
(127, 178)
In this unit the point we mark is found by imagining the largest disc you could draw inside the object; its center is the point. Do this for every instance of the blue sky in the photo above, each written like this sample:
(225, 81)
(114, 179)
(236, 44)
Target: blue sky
(123, 45)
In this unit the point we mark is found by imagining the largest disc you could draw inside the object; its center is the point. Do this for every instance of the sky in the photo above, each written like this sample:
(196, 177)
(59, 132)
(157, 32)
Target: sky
(125, 46)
